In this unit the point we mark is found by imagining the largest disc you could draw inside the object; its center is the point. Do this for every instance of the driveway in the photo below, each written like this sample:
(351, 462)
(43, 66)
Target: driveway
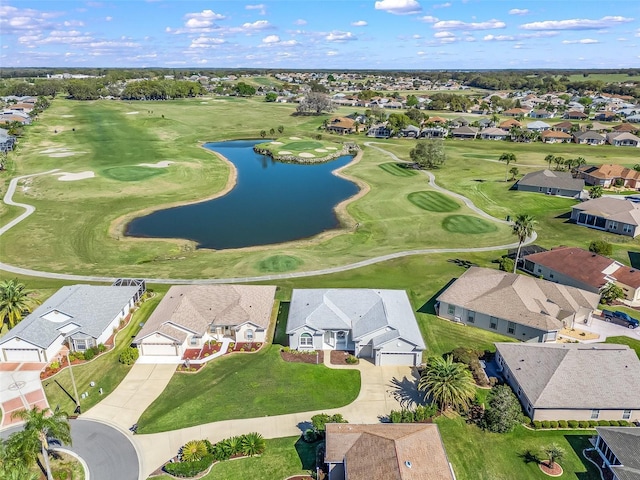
(20, 388)
(608, 329)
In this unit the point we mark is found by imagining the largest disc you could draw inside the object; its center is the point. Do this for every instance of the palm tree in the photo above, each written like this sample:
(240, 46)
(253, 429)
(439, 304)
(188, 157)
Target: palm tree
(514, 172)
(596, 191)
(523, 229)
(19, 450)
(554, 452)
(39, 427)
(549, 159)
(253, 444)
(559, 161)
(15, 301)
(449, 384)
(508, 158)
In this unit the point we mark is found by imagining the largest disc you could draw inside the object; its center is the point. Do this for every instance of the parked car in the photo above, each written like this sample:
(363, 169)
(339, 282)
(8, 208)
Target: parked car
(620, 318)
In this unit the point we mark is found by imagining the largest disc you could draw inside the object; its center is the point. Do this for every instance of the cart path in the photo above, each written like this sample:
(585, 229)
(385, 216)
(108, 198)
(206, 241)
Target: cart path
(29, 209)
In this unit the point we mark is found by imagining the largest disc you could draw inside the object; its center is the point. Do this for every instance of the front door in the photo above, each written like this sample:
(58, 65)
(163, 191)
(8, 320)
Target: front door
(341, 340)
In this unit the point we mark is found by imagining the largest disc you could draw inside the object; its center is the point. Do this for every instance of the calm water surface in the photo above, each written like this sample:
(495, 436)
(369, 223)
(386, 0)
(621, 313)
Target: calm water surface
(271, 203)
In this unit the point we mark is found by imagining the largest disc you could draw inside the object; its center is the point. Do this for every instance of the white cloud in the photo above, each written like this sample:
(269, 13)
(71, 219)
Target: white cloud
(520, 36)
(332, 53)
(499, 38)
(15, 20)
(337, 36)
(73, 23)
(257, 25)
(261, 7)
(428, 19)
(108, 19)
(518, 11)
(201, 21)
(206, 42)
(584, 41)
(300, 21)
(271, 39)
(638, 33)
(359, 23)
(576, 24)
(442, 5)
(469, 39)
(399, 7)
(416, 36)
(459, 25)
(443, 35)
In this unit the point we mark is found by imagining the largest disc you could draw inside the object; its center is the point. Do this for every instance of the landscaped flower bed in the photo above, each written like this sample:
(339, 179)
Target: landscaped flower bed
(315, 357)
(244, 347)
(340, 357)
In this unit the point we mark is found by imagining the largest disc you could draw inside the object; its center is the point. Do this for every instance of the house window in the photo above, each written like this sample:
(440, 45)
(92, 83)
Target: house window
(193, 341)
(613, 225)
(306, 340)
(627, 228)
(626, 415)
(471, 317)
(551, 275)
(452, 309)
(81, 345)
(511, 328)
(248, 335)
(493, 323)
(595, 414)
(539, 270)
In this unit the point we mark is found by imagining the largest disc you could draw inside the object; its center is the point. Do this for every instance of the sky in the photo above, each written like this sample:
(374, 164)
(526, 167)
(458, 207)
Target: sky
(321, 34)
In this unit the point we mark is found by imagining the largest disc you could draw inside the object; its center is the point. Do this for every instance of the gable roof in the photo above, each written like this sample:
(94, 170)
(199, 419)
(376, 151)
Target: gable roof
(590, 135)
(511, 122)
(611, 171)
(363, 311)
(555, 134)
(624, 442)
(549, 375)
(619, 210)
(518, 298)
(91, 308)
(549, 179)
(194, 308)
(538, 125)
(494, 131)
(388, 451)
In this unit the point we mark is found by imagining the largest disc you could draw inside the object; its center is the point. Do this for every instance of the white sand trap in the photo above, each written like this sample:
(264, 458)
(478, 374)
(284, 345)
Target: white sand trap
(132, 113)
(204, 103)
(70, 177)
(54, 150)
(331, 148)
(67, 116)
(284, 152)
(162, 164)
(277, 143)
(321, 150)
(62, 154)
(307, 155)
(295, 138)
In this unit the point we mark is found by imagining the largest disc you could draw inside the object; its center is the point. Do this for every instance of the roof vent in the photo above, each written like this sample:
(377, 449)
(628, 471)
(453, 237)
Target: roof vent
(408, 464)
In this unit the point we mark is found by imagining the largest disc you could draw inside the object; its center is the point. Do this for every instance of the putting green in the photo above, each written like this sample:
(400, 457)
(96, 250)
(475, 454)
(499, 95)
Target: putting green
(397, 170)
(279, 263)
(131, 173)
(433, 201)
(467, 224)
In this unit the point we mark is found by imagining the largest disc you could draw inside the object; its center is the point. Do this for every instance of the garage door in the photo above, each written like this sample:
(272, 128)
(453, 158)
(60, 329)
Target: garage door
(21, 355)
(392, 358)
(163, 349)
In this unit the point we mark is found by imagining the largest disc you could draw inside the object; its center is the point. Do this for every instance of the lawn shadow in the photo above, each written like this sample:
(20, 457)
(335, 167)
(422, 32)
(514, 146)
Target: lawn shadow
(634, 259)
(578, 443)
(566, 217)
(304, 426)
(280, 336)
(429, 306)
(405, 391)
(307, 453)
(529, 457)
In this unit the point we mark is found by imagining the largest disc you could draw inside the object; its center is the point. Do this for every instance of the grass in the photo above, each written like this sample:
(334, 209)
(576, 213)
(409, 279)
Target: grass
(283, 458)
(480, 455)
(633, 344)
(397, 170)
(247, 386)
(132, 173)
(279, 263)
(105, 370)
(468, 225)
(433, 201)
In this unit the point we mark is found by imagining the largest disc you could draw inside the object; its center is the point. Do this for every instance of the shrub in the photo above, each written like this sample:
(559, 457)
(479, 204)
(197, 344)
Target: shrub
(623, 423)
(583, 424)
(425, 412)
(193, 450)
(553, 424)
(546, 424)
(285, 349)
(526, 420)
(506, 264)
(395, 416)
(242, 349)
(129, 356)
(189, 469)
(102, 348)
(614, 423)
(320, 420)
(563, 424)
(504, 411)
(572, 423)
(351, 359)
(253, 444)
(593, 423)
(407, 416)
(89, 353)
(601, 247)
(310, 435)
(537, 424)
(209, 446)
(253, 349)
(55, 365)
(221, 451)
(603, 423)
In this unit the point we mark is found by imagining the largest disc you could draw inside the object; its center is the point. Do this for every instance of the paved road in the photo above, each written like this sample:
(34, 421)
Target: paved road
(108, 453)
(325, 271)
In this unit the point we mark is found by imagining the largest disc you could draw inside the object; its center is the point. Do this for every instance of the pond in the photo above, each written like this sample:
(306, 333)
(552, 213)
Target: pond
(271, 203)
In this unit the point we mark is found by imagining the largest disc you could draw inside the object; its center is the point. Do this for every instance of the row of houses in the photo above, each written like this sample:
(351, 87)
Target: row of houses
(17, 109)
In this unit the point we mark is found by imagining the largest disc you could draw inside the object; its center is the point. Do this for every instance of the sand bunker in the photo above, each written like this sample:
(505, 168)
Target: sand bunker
(277, 143)
(331, 148)
(62, 154)
(307, 155)
(67, 116)
(204, 103)
(162, 164)
(70, 177)
(59, 152)
(294, 138)
(284, 152)
(132, 113)
(321, 150)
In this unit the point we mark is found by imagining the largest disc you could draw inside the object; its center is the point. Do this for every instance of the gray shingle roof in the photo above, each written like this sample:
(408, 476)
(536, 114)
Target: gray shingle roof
(92, 308)
(363, 311)
(548, 179)
(624, 442)
(619, 210)
(552, 375)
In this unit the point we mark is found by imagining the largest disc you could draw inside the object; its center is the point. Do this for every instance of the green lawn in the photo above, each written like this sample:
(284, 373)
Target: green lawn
(246, 386)
(434, 201)
(397, 170)
(105, 370)
(634, 344)
(479, 455)
(283, 457)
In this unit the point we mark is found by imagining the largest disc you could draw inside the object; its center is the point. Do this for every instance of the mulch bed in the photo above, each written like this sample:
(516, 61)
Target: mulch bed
(245, 347)
(296, 357)
(300, 477)
(193, 368)
(339, 357)
(595, 458)
(554, 471)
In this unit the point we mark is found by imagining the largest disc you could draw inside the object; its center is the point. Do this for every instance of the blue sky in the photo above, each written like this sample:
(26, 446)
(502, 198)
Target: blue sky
(340, 34)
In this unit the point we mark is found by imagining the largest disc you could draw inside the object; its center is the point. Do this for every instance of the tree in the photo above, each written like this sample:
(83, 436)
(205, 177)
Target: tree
(601, 247)
(610, 293)
(559, 161)
(315, 103)
(596, 191)
(272, 131)
(244, 89)
(15, 301)
(554, 453)
(549, 159)
(263, 133)
(508, 158)
(428, 154)
(514, 172)
(398, 121)
(504, 411)
(320, 420)
(447, 383)
(523, 229)
(636, 167)
(271, 97)
(412, 101)
(40, 426)
(280, 129)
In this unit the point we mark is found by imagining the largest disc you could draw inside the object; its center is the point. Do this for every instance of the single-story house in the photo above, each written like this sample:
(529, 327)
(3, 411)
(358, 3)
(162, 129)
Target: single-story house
(190, 315)
(464, 133)
(379, 131)
(376, 324)
(609, 214)
(634, 118)
(518, 306)
(401, 451)
(605, 116)
(623, 139)
(583, 269)
(552, 136)
(589, 138)
(516, 112)
(541, 113)
(626, 127)
(551, 183)
(608, 175)
(433, 132)
(538, 126)
(494, 134)
(81, 316)
(569, 381)
(510, 123)
(6, 141)
(437, 120)
(565, 127)
(341, 125)
(575, 115)
(410, 131)
(619, 448)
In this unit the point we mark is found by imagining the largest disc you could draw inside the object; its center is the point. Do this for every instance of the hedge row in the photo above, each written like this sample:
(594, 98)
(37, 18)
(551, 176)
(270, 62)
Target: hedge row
(189, 469)
(537, 424)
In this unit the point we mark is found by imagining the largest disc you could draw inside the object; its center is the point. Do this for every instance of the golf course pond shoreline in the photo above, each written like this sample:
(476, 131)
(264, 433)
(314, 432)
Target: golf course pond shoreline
(347, 149)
